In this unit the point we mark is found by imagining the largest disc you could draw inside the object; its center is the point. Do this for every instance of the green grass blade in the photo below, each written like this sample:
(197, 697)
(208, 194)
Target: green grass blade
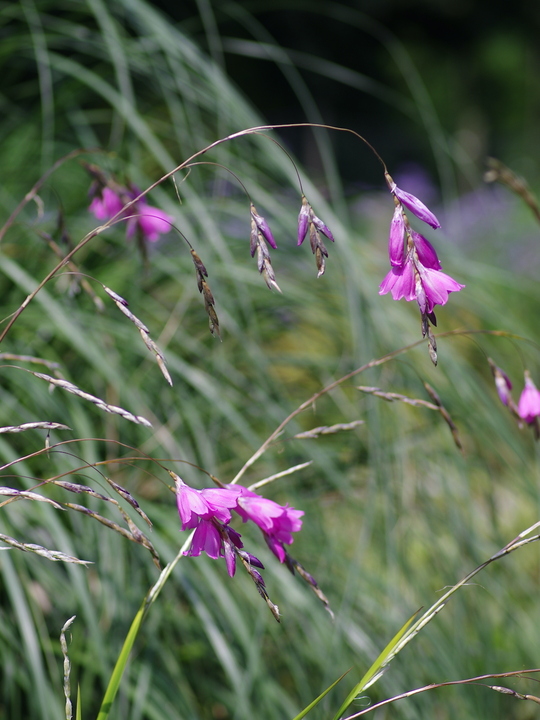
(120, 666)
(376, 670)
(317, 700)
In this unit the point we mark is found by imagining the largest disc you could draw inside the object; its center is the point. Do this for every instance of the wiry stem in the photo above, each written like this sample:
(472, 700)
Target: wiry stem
(434, 686)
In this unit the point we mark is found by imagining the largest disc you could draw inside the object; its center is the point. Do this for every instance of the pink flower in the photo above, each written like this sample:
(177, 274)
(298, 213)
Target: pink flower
(150, 222)
(106, 206)
(277, 522)
(414, 281)
(195, 505)
(529, 402)
(208, 511)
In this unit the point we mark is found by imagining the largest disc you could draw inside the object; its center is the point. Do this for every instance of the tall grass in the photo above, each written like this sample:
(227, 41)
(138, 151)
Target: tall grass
(394, 513)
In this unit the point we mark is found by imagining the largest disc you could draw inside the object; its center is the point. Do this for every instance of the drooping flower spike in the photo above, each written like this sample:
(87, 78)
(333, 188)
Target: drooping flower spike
(308, 219)
(260, 235)
(415, 267)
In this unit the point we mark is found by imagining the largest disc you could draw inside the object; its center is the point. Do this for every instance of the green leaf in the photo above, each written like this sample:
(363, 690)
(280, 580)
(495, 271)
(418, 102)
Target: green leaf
(116, 677)
(377, 669)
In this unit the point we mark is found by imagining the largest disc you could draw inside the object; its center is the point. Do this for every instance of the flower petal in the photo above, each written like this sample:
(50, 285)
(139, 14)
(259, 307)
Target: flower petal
(396, 245)
(416, 206)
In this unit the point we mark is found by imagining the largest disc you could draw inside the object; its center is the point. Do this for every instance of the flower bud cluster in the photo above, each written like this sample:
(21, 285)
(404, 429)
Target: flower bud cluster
(308, 219)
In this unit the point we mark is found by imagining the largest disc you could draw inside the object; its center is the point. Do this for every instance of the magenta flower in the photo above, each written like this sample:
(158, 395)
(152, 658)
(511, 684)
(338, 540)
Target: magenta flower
(150, 222)
(414, 281)
(529, 402)
(210, 503)
(208, 511)
(277, 522)
(107, 205)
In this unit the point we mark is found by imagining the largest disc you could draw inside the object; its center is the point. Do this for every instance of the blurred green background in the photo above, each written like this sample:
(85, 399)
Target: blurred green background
(394, 512)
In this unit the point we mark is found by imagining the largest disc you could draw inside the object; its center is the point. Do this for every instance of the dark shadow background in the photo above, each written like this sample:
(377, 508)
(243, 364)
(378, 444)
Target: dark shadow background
(463, 72)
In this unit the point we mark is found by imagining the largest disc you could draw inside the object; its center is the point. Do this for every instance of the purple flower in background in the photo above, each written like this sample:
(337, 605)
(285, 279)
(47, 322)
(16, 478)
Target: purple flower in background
(529, 402)
(502, 383)
(413, 204)
(107, 205)
(149, 221)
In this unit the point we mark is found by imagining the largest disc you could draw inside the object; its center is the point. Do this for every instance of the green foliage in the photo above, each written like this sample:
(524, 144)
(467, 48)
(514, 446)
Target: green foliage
(394, 513)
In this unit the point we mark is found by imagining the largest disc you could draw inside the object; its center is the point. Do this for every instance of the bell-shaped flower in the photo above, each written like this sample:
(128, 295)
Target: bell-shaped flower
(529, 401)
(414, 281)
(195, 505)
(277, 522)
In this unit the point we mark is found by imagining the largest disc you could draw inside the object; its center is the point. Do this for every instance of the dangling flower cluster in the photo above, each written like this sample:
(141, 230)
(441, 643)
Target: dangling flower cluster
(260, 235)
(146, 221)
(307, 218)
(416, 271)
(528, 407)
(208, 511)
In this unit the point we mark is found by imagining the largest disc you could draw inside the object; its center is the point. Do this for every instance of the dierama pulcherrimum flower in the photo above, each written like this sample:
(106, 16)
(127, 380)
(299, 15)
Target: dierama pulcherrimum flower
(150, 222)
(277, 522)
(529, 401)
(208, 511)
(415, 268)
